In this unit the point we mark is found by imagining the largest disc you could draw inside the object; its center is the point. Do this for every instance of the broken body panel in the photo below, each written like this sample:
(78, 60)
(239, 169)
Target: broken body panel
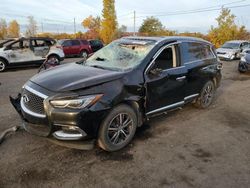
(25, 51)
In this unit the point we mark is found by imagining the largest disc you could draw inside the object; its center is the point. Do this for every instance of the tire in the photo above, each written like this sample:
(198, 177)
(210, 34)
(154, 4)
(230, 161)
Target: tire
(118, 128)
(84, 54)
(3, 65)
(241, 69)
(54, 57)
(206, 96)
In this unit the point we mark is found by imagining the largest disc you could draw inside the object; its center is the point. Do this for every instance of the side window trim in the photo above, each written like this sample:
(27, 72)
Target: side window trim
(158, 53)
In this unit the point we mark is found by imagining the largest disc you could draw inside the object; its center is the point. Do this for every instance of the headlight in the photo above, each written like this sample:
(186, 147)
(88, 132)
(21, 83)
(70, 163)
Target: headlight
(77, 103)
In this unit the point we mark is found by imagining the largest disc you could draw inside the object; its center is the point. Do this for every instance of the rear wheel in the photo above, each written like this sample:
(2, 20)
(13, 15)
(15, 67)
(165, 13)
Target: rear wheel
(84, 54)
(2, 65)
(54, 57)
(118, 128)
(241, 69)
(206, 96)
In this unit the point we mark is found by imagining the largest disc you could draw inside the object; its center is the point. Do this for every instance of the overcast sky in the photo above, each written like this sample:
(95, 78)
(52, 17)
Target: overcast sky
(58, 15)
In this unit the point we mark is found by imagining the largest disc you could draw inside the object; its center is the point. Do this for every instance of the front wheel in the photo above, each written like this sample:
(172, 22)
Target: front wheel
(206, 96)
(118, 128)
(2, 65)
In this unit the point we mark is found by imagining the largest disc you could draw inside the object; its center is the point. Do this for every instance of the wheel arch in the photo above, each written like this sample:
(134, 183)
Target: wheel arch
(53, 54)
(5, 60)
(137, 107)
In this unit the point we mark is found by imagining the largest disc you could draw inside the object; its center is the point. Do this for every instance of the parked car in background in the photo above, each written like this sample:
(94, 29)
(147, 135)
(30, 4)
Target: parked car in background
(231, 50)
(95, 45)
(118, 88)
(244, 64)
(75, 47)
(28, 51)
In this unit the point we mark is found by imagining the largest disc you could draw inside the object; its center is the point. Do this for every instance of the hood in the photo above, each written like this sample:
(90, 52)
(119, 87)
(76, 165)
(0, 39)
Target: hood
(227, 50)
(73, 76)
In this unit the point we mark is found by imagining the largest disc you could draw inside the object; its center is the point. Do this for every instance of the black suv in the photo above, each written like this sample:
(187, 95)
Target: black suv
(95, 45)
(118, 88)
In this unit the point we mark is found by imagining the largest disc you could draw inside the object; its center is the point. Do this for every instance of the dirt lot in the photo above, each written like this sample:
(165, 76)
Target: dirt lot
(186, 148)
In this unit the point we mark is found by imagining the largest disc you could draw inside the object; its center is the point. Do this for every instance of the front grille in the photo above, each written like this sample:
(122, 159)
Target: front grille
(34, 103)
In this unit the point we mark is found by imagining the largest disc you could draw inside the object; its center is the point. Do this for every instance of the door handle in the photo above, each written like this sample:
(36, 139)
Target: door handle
(181, 78)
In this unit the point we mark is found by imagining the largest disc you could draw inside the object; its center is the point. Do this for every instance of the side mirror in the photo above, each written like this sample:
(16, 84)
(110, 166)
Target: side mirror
(156, 71)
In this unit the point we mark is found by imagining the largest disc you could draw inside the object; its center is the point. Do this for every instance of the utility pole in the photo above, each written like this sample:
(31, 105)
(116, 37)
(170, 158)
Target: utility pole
(134, 23)
(75, 26)
(42, 26)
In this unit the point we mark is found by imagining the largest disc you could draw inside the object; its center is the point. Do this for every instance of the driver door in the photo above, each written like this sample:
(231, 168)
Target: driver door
(20, 52)
(165, 81)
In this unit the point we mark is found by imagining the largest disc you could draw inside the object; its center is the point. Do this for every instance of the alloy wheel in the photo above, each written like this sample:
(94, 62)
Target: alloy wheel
(120, 128)
(84, 54)
(2, 66)
(208, 94)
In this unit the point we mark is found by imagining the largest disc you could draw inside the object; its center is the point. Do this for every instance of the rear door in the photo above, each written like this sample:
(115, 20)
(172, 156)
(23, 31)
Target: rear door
(76, 47)
(197, 58)
(40, 48)
(165, 81)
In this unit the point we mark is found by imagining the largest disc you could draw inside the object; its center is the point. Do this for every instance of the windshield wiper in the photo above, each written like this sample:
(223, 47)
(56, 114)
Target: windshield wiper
(100, 59)
(98, 66)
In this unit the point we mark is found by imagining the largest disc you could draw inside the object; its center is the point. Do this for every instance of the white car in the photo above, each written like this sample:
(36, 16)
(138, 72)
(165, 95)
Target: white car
(28, 51)
(231, 50)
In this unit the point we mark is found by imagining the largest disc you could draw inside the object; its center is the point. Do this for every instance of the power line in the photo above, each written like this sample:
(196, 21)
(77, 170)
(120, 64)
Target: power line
(192, 12)
(198, 9)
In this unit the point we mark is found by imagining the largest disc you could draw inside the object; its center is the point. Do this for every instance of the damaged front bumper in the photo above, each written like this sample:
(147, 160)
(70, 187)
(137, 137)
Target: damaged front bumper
(70, 136)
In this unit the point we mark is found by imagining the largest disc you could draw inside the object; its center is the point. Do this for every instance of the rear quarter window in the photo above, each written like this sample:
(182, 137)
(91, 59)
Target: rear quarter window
(192, 51)
(85, 42)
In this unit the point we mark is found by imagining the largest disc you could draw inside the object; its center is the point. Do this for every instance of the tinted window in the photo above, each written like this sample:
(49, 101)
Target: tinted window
(84, 42)
(196, 51)
(75, 43)
(67, 43)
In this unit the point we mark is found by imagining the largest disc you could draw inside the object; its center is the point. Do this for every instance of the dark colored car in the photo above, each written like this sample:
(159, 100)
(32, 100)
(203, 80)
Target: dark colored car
(118, 88)
(244, 64)
(95, 45)
(76, 47)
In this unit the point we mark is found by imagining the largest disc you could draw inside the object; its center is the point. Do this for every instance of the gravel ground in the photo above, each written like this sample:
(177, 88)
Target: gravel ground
(186, 148)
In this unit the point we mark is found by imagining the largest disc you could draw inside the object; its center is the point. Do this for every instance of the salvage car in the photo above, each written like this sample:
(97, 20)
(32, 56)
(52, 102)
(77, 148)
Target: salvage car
(231, 50)
(244, 64)
(28, 51)
(118, 88)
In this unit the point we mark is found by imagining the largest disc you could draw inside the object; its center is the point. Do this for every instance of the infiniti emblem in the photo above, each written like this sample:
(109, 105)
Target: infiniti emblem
(25, 98)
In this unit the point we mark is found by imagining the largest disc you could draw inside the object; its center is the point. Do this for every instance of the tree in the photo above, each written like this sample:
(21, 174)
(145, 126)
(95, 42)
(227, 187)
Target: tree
(121, 31)
(151, 26)
(226, 29)
(13, 29)
(108, 24)
(93, 25)
(3, 28)
(31, 27)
